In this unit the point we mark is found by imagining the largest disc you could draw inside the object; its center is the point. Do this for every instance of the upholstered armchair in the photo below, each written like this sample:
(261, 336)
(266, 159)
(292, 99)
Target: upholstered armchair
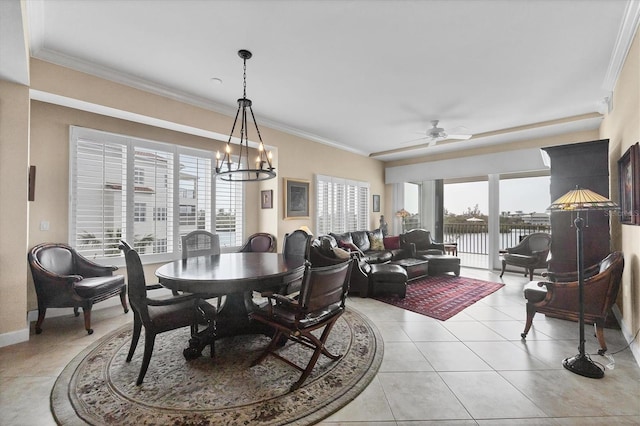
(530, 254)
(560, 299)
(65, 279)
(421, 239)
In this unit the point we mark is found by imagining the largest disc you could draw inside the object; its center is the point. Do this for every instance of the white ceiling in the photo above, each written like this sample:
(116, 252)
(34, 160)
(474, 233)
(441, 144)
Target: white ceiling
(364, 75)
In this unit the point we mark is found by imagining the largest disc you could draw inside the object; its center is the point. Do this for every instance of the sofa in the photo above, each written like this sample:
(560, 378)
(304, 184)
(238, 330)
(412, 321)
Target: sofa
(365, 247)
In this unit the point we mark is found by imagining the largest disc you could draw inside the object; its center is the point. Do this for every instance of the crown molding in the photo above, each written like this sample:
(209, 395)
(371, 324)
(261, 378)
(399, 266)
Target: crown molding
(106, 73)
(627, 31)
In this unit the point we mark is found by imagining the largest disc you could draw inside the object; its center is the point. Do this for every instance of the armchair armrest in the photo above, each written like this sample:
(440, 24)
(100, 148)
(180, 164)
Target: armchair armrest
(88, 268)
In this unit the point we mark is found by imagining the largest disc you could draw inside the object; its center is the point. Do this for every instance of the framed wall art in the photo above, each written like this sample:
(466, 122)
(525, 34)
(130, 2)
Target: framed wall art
(296, 199)
(629, 181)
(376, 203)
(266, 199)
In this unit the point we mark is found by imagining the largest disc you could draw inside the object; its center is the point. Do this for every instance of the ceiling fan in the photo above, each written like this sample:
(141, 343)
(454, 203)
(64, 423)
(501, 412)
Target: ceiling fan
(437, 134)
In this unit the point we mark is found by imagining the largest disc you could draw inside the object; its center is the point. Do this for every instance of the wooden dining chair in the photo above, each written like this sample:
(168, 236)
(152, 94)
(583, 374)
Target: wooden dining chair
(262, 242)
(159, 314)
(200, 243)
(297, 244)
(319, 305)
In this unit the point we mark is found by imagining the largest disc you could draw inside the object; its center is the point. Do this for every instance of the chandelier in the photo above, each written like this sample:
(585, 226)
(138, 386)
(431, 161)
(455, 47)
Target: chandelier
(242, 169)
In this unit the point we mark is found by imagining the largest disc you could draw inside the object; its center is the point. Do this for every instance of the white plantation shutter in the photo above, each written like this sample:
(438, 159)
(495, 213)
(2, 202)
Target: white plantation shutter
(148, 193)
(152, 196)
(229, 215)
(342, 205)
(98, 191)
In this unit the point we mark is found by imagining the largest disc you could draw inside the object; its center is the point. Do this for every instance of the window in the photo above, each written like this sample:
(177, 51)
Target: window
(148, 193)
(139, 212)
(160, 213)
(341, 205)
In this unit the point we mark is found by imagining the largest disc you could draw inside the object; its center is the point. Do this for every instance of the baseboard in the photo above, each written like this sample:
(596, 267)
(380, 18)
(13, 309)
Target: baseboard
(13, 337)
(627, 334)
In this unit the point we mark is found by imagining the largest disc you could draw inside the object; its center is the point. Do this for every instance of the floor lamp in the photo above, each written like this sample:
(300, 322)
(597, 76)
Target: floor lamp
(582, 200)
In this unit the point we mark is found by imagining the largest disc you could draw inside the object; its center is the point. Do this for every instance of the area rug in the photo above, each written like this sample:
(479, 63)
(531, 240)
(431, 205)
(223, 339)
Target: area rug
(98, 386)
(442, 296)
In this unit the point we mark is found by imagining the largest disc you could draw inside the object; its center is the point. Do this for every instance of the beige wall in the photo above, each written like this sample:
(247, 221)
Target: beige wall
(622, 128)
(14, 207)
(295, 157)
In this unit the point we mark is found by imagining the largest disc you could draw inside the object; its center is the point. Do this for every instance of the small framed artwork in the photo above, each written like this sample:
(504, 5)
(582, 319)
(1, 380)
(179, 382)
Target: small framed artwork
(296, 199)
(376, 203)
(266, 199)
(629, 180)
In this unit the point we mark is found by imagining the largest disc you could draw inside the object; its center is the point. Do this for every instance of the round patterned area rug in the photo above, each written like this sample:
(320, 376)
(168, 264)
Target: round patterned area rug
(98, 386)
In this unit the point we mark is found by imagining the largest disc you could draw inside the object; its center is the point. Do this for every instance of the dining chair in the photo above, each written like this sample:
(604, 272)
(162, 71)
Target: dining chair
(200, 243)
(319, 305)
(296, 244)
(260, 242)
(65, 279)
(158, 315)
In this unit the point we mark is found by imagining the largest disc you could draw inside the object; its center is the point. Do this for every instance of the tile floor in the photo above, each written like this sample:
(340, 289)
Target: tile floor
(470, 370)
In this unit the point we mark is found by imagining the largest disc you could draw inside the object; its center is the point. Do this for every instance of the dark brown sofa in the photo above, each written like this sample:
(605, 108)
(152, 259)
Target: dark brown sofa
(322, 254)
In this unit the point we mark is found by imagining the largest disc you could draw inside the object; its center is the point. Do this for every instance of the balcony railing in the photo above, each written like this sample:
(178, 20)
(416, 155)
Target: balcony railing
(473, 237)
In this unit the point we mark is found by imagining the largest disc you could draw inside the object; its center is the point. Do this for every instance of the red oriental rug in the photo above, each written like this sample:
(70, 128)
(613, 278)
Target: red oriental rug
(442, 296)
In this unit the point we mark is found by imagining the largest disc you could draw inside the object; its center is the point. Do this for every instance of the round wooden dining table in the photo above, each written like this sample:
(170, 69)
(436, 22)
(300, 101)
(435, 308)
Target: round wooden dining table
(235, 276)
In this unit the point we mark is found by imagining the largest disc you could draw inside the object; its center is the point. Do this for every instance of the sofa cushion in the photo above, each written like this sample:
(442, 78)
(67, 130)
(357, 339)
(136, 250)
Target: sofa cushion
(376, 240)
(377, 256)
(391, 243)
(361, 239)
(341, 239)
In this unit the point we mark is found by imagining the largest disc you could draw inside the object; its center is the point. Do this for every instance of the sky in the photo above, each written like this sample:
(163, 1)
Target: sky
(528, 194)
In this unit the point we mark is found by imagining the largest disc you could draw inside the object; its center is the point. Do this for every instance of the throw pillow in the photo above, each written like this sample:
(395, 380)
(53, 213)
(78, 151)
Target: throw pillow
(392, 243)
(340, 253)
(376, 241)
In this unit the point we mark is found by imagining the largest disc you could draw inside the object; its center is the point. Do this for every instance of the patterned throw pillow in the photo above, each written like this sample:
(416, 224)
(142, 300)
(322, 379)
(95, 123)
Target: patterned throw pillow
(349, 246)
(376, 241)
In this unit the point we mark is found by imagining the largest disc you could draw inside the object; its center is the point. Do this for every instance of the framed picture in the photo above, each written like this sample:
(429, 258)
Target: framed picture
(296, 199)
(629, 180)
(266, 199)
(376, 203)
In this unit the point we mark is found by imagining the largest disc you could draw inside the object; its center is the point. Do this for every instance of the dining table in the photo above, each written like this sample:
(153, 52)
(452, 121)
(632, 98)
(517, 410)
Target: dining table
(236, 276)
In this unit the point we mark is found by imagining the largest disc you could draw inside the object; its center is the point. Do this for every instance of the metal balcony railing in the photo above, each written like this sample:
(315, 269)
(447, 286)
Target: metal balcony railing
(473, 237)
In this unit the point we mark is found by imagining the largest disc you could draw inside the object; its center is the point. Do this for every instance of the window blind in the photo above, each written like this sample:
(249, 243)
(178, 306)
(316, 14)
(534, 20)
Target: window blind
(341, 205)
(146, 192)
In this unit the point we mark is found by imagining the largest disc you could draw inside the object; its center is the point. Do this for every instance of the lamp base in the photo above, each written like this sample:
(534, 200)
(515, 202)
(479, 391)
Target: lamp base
(582, 365)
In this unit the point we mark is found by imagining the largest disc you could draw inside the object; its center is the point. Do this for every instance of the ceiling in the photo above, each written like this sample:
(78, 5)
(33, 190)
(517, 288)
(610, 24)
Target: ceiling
(367, 76)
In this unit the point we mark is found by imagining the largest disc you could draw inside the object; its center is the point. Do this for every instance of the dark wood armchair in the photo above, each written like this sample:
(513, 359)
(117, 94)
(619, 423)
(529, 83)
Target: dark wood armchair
(296, 244)
(260, 242)
(531, 253)
(159, 314)
(560, 299)
(65, 279)
(319, 305)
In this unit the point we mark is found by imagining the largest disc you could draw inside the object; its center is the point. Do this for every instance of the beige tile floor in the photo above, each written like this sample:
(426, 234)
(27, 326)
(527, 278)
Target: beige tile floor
(470, 370)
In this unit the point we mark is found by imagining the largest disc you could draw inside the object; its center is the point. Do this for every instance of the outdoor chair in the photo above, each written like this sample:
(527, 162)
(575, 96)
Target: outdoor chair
(560, 299)
(319, 305)
(531, 253)
(65, 279)
(158, 315)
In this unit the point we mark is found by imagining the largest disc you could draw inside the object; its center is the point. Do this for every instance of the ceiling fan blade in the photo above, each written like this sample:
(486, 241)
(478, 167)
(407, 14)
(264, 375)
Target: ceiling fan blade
(432, 142)
(413, 140)
(459, 137)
